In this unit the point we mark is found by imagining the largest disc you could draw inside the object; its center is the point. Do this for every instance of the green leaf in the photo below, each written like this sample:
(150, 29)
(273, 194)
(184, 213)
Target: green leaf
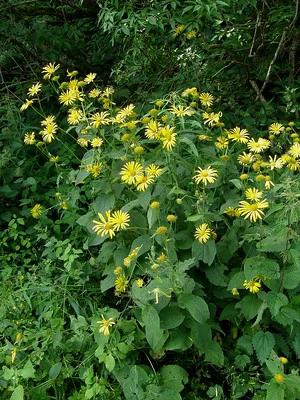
(171, 317)
(103, 202)
(18, 393)
(215, 274)
(250, 306)
(214, 353)
(261, 266)
(291, 277)
(179, 339)
(201, 334)
(293, 383)
(109, 363)
(190, 144)
(272, 244)
(274, 391)
(205, 252)
(237, 281)
(55, 370)
(287, 315)
(241, 361)
(173, 377)
(27, 371)
(196, 306)
(154, 333)
(125, 30)
(245, 342)
(263, 343)
(152, 20)
(275, 301)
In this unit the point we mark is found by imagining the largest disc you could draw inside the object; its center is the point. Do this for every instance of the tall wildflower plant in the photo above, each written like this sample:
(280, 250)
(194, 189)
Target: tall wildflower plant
(192, 224)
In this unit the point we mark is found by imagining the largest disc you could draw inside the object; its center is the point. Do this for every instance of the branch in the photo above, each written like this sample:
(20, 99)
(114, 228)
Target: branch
(272, 63)
(256, 88)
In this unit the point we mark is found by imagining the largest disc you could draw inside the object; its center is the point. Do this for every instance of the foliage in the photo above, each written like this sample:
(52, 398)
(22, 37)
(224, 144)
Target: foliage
(153, 253)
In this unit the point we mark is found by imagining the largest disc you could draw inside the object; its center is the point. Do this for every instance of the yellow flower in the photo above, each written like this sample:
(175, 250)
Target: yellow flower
(118, 270)
(191, 34)
(120, 220)
(168, 137)
(245, 158)
(154, 204)
(231, 211)
(276, 128)
(259, 146)
(153, 170)
(139, 149)
(171, 218)
(206, 99)
(130, 172)
(13, 355)
(211, 119)
(253, 194)
(145, 120)
(268, 182)
(48, 120)
(293, 164)
(235, 292)
(96, 142)
(143, 181)
(34, 90)
(94, 93)
(205, 137)
(105, 325)
(27, 103)
(72, 73)
(162, 258)
(190, 92)
(260, 178)
(75, 116)
(153, 112)
(152, 129)
(68, 97)
(208, 175)
(90, 78)
(279, 378)
(83, 142)
(161, 230)
(157, 292)
(203, 233)
(253, 211)
(221, 142)
(294, 151)
(95, 169)
(99, 119)
(48, 132)
(36, 211)
(180, 111)
(139, 283)
(243, 177)
(238, 135)
(49, 70)
(253, 286)
(63, 205)
(121, 284)
(284, 360)
(275, 163)
(29, 138)
(105, 227)
(54, 159)
(178, 30)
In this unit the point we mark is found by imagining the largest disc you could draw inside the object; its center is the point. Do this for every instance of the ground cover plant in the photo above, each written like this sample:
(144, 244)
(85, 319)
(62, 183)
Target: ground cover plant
(155, 250)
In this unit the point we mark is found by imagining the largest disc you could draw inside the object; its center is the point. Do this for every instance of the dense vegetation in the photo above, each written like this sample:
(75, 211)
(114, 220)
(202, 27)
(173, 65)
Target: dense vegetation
(149, 205)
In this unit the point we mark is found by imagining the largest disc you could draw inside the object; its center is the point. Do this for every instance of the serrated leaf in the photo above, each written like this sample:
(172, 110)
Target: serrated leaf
(215, 274)
(246, 343)
(174, 376)
(250, 306)
(196, 306)
(27, 371)
(275, 301)
(263, 343)
(241, 361)
(274, 391)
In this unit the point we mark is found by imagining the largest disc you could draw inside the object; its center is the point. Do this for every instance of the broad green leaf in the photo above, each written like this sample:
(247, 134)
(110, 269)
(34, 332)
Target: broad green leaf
(125, 30)
(272, 244)
(250, 306)
(154, 333)
(274, 364)
(293, 383)
(263, 343)
(245, 342)
(260, 266)
(179, 339)
(237, 281)
(109, 362)
(18, 393)
(196, 306)
(171, 317)
(152, 20)
(190, 144)
(201, 334)
(102, 203)
(215, 274)
(291, 277)
(241, 361)
(205, 252)
(152, 215)
(55, 370)
(173, 376)
(214, 353)
(287, 315)
(275, 301)
(275, 391)
(27, 371)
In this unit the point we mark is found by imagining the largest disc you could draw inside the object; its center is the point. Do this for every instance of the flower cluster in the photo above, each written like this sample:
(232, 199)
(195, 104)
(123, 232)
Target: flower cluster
(119, 220)
(133, 173)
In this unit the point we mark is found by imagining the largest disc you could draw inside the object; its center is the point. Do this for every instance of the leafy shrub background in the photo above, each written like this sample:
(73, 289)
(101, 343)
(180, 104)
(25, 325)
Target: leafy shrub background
(185, 325)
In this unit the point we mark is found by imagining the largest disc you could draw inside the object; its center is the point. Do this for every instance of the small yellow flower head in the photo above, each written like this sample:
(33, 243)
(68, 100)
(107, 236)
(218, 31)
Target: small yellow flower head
(231, 211)
(191, 34)
(126, 137)
(260, 178)
(284, 360)
(224, 157)
(49, 70)
(34, 90)
(178, 30)
(291, 124)
(105, 325)
(153, 170)
(154, 204)
(162, 257)
(252, 286)
(276, 128)
(159, 103)
(279, 378)
(171, 218)
(72, 73)
(243, 177)
(36, 211)
(96, 142)
(205, 176)
(153, 112)
(27, 104)
(203, 233)
(206, 99)
(193, 104)
(253, 194)
(118, 270)
(13, 355)
(121, 284)
(161, 230)
(268, 182)
(139, 283)
(90, 78)
(18, 337)
(145, 120)
(131, 125)
(164, 118)
(158, 292)
(139, 150)
(63, 205)
(130, 172)
(29, 138)
(235, 292)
